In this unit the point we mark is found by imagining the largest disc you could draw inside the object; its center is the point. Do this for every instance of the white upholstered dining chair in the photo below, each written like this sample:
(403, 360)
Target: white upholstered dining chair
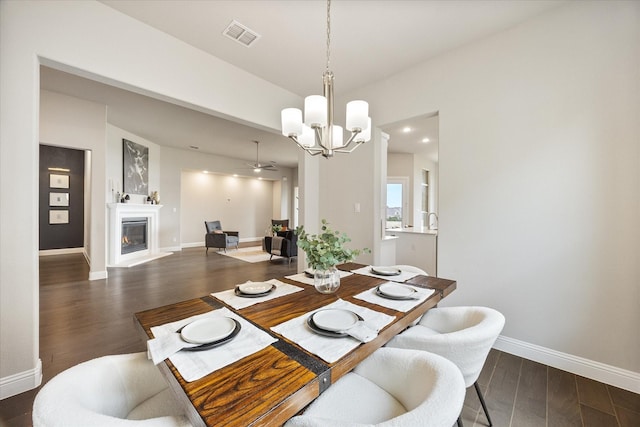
(463, 335)
(124, 390)
(390, 388)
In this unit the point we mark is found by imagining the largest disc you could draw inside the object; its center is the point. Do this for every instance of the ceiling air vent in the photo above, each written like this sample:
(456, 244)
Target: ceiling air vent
(238, 32)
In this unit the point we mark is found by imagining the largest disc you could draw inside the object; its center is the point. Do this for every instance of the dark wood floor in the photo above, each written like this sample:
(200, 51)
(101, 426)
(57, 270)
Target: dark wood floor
(81, 320)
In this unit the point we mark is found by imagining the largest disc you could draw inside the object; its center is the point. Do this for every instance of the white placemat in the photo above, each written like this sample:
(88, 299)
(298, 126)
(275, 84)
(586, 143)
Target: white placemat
(194, 365)
(230, 297)
(402, 277)
(401, 305)
(303, 278)
(328, 348)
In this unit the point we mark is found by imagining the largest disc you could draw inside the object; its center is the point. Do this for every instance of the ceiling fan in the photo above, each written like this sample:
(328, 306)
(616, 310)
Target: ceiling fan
(257, 166)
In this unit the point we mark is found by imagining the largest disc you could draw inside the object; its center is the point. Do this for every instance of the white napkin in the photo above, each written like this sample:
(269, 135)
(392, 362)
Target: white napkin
(402, 277)
(164, 346)
(230, 297)
(371, 296)
(303, 278)
(328, 348)
(362, 332)
(194, 365)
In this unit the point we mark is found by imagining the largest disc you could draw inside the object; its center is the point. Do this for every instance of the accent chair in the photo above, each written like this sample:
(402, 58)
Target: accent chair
(216, 237)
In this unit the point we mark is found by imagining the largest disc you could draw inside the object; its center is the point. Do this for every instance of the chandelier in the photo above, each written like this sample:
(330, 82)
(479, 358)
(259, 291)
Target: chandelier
(318, 134)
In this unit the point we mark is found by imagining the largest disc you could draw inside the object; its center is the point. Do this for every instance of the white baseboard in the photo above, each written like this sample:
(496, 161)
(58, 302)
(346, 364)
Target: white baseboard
(97, 275)
(192, 245)
(21, 382)
(251, 239)
(601, 372)
(171, 249)
(201, 244)
(65, 251)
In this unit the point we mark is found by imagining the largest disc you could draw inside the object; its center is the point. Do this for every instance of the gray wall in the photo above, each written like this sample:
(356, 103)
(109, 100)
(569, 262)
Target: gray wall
(70, 235)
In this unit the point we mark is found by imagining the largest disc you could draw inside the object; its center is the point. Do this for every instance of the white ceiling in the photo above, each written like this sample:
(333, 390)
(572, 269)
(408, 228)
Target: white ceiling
(370, 40)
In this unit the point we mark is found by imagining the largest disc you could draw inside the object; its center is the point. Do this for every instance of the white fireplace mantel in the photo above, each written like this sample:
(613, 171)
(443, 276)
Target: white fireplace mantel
(120, 211)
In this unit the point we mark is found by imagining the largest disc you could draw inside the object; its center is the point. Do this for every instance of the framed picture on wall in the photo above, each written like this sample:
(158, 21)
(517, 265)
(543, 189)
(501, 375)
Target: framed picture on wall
(58, 217)
(58, 199)
(58, 181)
(135, 168)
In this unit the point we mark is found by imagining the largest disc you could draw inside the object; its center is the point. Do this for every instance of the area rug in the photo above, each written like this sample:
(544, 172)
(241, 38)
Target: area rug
(249, 254)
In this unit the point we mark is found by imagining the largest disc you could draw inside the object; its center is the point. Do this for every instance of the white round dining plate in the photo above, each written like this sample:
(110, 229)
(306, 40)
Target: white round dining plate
(203, 331)
(253, 288)
(386, 271)
(396, 290)
(335, 320)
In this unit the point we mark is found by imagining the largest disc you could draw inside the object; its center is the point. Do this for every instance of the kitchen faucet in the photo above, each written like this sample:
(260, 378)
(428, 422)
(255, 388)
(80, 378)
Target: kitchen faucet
(429, 221)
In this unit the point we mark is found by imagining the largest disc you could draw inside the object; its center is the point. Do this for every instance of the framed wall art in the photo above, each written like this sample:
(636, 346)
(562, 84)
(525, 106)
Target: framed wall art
(58, 199)
(58, 181)
(58, 217)
(135, 168)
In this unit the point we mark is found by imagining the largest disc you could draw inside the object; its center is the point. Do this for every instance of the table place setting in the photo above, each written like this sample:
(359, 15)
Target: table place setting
(306, 276)
(391, 273)
(400, 297)
(334, 330)
(208, 341)
(250, 293)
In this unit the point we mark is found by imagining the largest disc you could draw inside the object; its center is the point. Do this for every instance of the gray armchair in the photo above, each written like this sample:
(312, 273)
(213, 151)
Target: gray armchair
(218, 238)
(288, 245)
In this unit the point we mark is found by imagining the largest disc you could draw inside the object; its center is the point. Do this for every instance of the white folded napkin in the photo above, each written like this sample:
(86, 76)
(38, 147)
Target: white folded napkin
(164, 346)
(371, 296)
(303, 278)
(402, 277)
(230, 297)
(328, 348)
(361, 332)
(194, 365)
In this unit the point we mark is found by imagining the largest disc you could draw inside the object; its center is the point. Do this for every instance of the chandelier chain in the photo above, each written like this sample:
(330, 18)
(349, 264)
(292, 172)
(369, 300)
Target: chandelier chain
(328, 32)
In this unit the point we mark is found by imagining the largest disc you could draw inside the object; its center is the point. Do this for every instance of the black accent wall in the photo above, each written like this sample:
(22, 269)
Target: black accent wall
(71, 234)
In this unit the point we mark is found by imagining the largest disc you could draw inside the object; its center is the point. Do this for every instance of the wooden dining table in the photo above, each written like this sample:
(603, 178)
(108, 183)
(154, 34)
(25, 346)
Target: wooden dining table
(272, 385)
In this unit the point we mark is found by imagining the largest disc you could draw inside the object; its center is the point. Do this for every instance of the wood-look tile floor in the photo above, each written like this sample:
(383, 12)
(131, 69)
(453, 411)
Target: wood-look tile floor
(81, 320)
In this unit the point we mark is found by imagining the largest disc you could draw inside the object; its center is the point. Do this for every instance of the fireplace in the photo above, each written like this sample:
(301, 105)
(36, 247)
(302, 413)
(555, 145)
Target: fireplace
(134, 235)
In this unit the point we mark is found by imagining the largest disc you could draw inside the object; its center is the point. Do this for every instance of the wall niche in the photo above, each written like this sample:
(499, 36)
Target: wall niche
(61, 198)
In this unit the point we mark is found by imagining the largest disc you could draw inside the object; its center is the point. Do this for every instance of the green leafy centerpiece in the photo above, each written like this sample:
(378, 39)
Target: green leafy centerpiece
(275, 229)
(324, 251)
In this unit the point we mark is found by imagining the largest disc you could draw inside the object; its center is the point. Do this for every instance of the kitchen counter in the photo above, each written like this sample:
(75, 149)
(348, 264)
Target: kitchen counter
(416, 247)
(392, 231)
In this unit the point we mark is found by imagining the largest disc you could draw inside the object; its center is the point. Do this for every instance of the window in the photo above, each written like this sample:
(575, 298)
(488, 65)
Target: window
(396, 202)
(424, 205)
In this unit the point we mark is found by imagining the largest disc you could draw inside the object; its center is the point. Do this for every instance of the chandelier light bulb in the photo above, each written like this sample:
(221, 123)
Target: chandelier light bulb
(365, 135)
(307, 138)
(315, 111)
(357, 115)
(337, 137)
(291, 121)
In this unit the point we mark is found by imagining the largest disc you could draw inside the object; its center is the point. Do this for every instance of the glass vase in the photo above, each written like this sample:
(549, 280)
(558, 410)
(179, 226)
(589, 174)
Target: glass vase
(326, 281)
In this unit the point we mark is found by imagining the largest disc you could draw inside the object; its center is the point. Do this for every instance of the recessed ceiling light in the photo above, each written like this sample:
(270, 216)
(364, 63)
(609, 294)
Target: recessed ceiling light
(425, 140)
(406, 129)
(235, 175)
(205, 171)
